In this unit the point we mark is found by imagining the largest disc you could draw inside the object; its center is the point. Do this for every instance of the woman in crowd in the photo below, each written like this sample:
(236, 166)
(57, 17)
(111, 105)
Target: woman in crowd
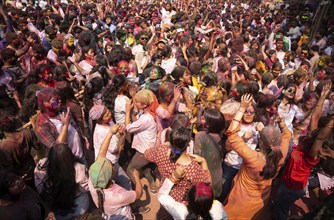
(303, 158)
(61, 179)
(113, 200)
(252, 185)
(201, 203)
(249, 132)
(209, 145)
(170, 155)
(103, 118)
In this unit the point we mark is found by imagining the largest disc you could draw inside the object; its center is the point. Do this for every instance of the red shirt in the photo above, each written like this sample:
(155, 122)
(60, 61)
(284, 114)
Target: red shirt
(298, 169)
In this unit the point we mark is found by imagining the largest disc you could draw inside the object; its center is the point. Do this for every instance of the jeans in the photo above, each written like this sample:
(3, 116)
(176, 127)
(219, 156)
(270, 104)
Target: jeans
(228, 175)
(121, 178)
(284, 199)
(137, 162)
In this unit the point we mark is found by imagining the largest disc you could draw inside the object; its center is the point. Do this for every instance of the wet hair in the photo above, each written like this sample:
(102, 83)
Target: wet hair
(215, 120)
(94, 86)
(29, 105)
(60, 185)
(179, 140)
(166, 90)
(117, 54)
(9, 122)
(242, 88)
(309, 95)
(195, 67)
(166, 51)
(200, 198)
(60, 71)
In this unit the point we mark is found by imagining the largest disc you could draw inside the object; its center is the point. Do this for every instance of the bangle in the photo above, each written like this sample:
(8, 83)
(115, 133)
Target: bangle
(236, 120)
(64, 123)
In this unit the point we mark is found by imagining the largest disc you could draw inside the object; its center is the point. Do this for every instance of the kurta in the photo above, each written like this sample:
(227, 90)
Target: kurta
(250, 192)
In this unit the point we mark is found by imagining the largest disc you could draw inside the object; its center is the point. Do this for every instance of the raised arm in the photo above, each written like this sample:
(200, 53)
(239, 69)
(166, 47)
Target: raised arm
(318, 108)
(105, 144)
(65, 120)
(323, 134)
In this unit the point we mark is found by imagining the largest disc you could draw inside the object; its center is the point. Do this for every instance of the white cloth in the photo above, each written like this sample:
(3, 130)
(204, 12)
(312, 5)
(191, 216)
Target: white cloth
(289, 114)
(145, 132)
(73, 138)
(140, 56)
(251, 138)
(326, 182)
(178, 210)
(100, 133)
(168, 65)
(119, 109)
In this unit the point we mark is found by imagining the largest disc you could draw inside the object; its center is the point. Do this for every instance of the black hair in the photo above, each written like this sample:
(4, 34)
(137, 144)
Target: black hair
(179, 140)
(60, 185)
(215, 120)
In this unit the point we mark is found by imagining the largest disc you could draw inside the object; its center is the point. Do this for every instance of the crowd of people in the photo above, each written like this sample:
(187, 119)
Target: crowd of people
(225, 107)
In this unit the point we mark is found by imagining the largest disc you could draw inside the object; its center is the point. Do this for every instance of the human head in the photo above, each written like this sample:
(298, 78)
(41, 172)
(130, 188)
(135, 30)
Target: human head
(249, 114)
(47, 99)
(100, 173)
(179, 140)
(309, 100)
(290, 91)
(269, 142)
(181, 75)
(214, 120)
(11, 185)
(200, 200)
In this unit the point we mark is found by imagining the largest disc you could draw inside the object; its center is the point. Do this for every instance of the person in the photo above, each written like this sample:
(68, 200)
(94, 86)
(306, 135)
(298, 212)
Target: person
(16, 146)
(169, 95)
(201, 203)
(113, 200)
(17, 200)
(61, 179)
(48, 124)
(144, 130)
(249, 132)
(304, 157)
(170, 155)
(103, 118)
(209, 145)
(252, 185)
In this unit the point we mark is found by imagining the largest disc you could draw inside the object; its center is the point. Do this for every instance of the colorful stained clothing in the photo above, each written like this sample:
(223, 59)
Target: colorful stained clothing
(206, 145)
(250, 192)
(166, 167)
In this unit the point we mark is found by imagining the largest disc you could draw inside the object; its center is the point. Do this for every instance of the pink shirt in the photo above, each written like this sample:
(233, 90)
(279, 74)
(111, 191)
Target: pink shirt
(145, 132)
(163, 118)
(117, 200)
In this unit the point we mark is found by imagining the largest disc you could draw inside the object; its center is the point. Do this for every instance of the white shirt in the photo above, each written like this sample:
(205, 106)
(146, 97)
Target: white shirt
(251, 138)
(178, 210)
(73, 138)
(100, 133)
(145, 132)
(119, 109)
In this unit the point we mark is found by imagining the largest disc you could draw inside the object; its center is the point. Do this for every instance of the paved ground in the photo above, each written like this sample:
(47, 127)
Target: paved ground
(150, 200)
